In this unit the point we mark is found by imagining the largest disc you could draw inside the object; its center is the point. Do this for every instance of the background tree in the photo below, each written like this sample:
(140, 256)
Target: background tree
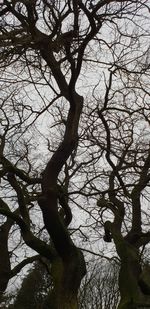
(99, 287)
(34, 288)
(96, 156)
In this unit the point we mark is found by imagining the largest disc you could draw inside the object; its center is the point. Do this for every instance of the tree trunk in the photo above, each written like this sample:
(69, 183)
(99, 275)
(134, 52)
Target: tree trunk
(4, 258)
(67, 276)
(133, 288)
(129, 278)
(134, 285)
(69, 267)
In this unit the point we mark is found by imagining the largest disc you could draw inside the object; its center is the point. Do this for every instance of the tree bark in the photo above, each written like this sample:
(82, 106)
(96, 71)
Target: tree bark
(66, 279)
(134, 290)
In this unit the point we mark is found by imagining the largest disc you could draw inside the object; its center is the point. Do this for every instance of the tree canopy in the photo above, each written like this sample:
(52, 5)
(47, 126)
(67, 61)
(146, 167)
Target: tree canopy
(75, 151)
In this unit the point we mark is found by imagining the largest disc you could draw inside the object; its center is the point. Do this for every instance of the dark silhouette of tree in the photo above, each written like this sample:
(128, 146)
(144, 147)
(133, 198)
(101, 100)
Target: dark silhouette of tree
(97, 155)
(34, 288)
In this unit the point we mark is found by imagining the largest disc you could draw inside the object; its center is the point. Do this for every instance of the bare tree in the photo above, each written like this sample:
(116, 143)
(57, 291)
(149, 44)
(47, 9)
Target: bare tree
(99, 288)
(124, 193)
(46, 49)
